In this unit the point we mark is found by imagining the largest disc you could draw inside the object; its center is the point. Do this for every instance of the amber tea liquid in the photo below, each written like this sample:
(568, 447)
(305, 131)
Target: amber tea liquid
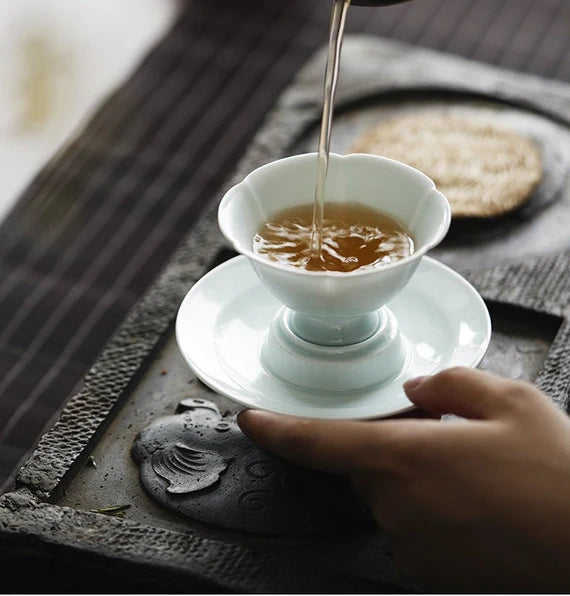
(352, 236)
(338, 237)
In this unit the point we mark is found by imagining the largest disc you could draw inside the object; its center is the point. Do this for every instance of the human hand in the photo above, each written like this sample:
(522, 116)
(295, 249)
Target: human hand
(482, 504)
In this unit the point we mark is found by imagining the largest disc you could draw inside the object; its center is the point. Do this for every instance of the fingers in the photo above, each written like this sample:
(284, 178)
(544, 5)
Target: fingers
(466, 392)
(416, 414)
(353, 446)
(336, 446)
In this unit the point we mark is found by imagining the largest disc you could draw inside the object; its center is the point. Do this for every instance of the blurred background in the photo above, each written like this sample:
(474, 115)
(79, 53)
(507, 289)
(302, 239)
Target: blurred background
(121, 119)
(60, 58)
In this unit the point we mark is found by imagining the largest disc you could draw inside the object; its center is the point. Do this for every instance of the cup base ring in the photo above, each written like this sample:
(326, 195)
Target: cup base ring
(328, 368)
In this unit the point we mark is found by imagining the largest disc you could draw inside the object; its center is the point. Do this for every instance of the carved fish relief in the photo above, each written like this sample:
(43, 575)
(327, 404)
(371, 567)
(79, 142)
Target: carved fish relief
(183, 454)
(187, 469)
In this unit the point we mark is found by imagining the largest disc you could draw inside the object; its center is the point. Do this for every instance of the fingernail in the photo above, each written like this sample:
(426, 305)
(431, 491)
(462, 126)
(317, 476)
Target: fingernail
(413, 384)
(246, 415)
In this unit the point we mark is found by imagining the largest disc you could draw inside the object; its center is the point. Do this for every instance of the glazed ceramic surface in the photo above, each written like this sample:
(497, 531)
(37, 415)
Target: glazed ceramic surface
(224, 320)
(403, 193)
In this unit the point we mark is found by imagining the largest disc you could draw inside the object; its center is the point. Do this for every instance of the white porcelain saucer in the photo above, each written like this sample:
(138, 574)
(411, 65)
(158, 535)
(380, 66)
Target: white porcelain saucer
(225, 317)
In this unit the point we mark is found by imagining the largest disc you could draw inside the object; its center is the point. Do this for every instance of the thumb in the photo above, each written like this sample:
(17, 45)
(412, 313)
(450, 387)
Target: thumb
(462, 391)
(341, 446)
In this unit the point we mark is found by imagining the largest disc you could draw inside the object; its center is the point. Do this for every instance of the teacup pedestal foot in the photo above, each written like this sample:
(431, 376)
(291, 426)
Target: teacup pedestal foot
(329, 355)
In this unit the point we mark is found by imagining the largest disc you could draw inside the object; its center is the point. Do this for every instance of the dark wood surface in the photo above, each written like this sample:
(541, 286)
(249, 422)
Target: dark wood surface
(96, 225)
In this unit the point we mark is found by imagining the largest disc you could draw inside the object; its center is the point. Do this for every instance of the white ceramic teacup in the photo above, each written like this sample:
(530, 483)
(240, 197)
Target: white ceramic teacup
(334, 309)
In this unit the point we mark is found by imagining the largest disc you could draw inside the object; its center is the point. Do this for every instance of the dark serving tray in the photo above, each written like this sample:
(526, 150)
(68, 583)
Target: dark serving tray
(519, 264)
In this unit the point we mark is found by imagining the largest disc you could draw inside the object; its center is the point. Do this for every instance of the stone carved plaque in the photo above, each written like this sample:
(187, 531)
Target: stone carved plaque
(200, 464)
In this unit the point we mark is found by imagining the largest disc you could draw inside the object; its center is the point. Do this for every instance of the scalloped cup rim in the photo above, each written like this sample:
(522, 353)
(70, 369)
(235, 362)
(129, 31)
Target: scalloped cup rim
(417, 254)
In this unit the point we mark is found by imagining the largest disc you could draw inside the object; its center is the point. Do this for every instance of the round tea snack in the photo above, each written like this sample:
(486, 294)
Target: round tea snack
(483, 170)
